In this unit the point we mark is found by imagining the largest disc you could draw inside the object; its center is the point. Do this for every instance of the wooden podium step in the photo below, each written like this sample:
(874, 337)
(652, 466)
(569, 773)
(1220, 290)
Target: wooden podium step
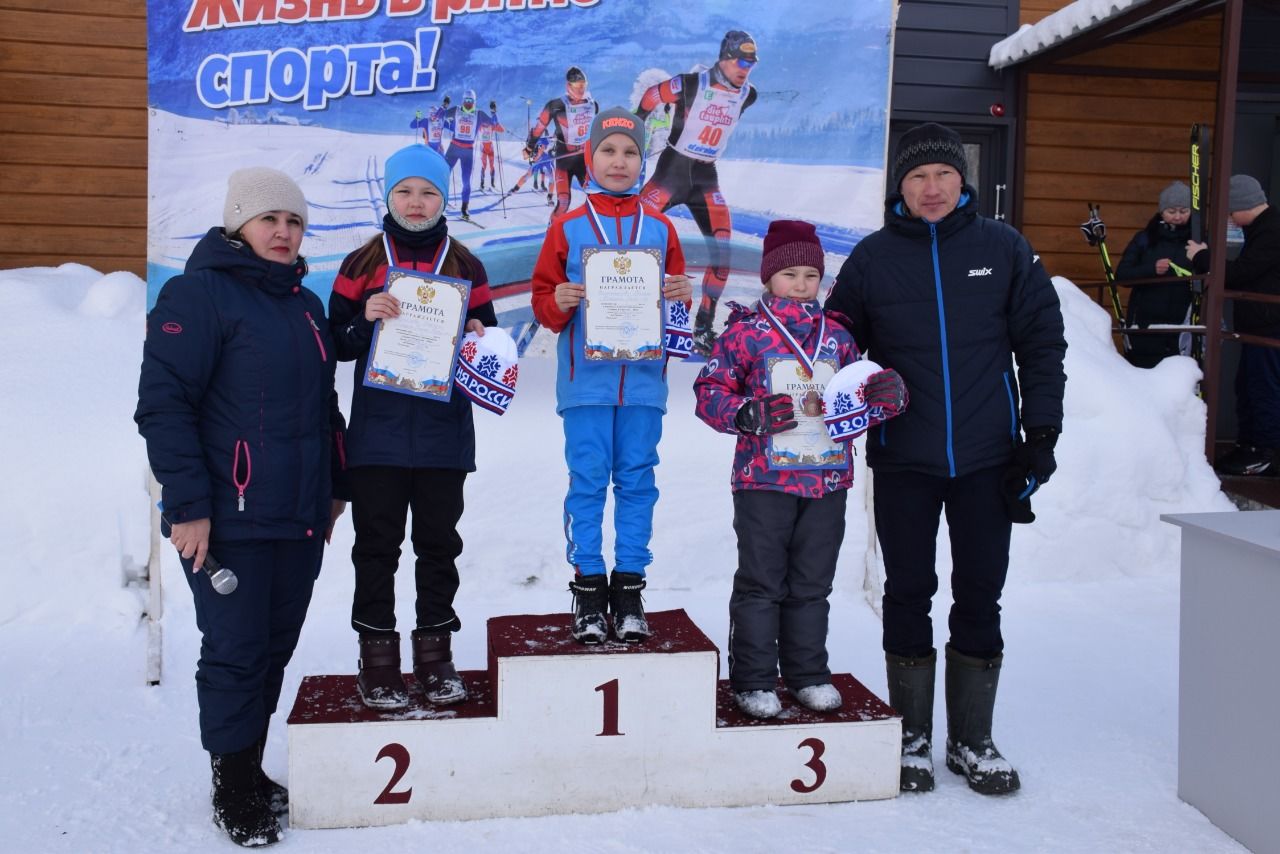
(555, 727)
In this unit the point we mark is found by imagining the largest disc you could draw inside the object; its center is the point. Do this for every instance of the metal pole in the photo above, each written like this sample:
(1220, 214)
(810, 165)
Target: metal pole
(1223, 144)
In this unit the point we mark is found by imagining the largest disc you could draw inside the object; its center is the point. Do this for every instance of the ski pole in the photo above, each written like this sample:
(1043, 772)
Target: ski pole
(1095, 232)
(502, 193)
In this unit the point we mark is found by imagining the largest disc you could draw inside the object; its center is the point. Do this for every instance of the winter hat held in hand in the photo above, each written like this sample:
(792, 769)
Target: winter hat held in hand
(847, 413)
(259, 189)
(790, 243)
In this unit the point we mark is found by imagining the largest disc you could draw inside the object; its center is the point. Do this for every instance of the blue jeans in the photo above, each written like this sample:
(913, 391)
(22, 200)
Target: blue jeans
(603, 443)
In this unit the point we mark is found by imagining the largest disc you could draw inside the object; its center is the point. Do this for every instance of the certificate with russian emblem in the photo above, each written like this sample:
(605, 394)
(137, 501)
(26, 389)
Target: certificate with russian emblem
(416, 353)
(623, 316)
(808, 446)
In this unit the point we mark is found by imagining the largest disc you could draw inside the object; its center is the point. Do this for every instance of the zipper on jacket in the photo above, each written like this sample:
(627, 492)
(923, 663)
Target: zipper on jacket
(315, 330)
(1013, 409)
(340, 438)
(241, 486)
(942, 332)
(570, 351)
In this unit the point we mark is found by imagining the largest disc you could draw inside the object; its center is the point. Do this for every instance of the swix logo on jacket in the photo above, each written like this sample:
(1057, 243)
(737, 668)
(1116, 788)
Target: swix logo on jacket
(981, 271)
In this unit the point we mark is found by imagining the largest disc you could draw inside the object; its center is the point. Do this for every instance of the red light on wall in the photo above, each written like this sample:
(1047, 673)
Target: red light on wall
(996, 110)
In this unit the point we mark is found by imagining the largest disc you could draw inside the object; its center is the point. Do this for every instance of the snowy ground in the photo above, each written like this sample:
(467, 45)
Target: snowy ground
(94, 760)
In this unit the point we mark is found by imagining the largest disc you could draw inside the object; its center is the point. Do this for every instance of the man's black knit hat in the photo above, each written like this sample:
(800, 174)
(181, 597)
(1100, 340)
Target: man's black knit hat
(928, 143)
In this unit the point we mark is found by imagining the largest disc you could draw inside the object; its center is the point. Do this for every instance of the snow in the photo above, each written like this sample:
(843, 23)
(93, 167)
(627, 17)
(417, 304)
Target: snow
(1067, 22)
(95, 760)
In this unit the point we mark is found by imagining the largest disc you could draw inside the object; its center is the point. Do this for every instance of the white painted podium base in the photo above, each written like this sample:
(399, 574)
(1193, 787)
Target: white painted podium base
(556, 727)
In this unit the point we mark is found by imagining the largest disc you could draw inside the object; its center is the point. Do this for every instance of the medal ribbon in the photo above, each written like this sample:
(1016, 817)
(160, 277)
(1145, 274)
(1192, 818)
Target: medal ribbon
(441, 252)
(603, 237)
(794, 345)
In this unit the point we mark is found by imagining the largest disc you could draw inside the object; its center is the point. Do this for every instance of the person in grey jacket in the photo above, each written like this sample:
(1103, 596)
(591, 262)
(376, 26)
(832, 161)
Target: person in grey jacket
(950, 299)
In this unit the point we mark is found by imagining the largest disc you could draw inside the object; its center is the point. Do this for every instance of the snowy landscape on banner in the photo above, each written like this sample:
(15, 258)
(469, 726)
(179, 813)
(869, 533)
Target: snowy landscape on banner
(95, 760)
(812, 146)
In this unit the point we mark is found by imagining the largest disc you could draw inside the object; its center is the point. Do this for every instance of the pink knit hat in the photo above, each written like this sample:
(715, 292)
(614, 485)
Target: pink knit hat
(790, 243)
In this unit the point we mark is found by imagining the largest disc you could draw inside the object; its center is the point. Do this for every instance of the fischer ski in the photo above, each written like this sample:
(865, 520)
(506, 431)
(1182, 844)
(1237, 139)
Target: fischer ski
(1199, 148)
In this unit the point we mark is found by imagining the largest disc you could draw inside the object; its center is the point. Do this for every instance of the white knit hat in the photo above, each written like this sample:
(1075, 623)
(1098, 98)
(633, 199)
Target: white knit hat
(487, 368)
(847, 414)
(256, 190)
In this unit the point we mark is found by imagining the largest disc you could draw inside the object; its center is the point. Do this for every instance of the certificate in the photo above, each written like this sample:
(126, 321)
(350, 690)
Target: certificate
(807, 446)
(623, 316)
(415, 353)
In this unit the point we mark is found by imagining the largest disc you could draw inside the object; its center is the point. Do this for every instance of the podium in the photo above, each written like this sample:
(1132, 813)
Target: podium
(553, 727)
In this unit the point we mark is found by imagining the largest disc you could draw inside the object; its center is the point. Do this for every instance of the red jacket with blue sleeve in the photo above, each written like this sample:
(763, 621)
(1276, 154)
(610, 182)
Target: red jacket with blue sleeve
(579, 383)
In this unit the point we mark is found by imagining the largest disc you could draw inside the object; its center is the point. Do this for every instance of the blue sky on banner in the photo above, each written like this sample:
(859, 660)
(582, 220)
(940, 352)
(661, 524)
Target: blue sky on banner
(823, 74)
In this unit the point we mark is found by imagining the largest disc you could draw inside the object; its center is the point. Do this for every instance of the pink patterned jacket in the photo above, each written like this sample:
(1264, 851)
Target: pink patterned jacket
(735, 373)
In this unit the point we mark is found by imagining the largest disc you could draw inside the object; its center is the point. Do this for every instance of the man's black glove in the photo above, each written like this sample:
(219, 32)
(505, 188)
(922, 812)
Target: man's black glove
(886, 390)
(1035, 455)
(1033, 464)
(766, 415)
(493, 106)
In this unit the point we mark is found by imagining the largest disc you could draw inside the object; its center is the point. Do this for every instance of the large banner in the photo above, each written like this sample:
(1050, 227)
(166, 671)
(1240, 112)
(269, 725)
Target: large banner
(756, 110)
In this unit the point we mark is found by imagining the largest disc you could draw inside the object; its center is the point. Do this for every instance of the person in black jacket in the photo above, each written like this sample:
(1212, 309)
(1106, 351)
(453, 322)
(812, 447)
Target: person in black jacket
(949, 299)
(406, 453)
(237, 406)
(1160, 250)
(1256, 269)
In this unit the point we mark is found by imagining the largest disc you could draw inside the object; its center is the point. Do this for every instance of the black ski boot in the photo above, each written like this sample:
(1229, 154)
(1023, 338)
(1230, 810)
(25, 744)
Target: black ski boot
(627, 606)
(433, 666)
(703, 336)
(911, 682)
(1249, 461)
(465, 215)
(590, 602)
(379, 682)
(971, 700)
(275, 795)
(238, 807)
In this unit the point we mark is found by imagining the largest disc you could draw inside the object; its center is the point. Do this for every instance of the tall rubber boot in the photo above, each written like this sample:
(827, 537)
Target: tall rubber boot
(433, 665)
(275, 795)
(238, 808)
(971, 700)
(911, 683)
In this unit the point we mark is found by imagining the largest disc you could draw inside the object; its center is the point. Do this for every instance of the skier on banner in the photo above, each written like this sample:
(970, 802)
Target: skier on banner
(485, 135)
(464, 124)
(570, 115)
(432, 125)
(708, 106)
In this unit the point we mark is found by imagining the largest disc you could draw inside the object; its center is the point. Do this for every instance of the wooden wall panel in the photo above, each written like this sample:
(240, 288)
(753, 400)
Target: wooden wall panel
(73, 134)
(1110, 138)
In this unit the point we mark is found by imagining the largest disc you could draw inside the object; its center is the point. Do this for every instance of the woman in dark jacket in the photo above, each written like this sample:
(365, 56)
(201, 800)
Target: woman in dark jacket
(1159, 250)
(237, 407)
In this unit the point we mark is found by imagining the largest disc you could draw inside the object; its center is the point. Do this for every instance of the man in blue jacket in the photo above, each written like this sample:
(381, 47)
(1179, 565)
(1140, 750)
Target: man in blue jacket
(949, 299)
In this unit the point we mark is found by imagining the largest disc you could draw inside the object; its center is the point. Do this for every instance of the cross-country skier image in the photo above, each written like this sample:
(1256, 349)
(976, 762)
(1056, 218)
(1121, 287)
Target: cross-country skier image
(570, 115)
(432, 125)
(464, 123)
(485, 135)
(708, 105)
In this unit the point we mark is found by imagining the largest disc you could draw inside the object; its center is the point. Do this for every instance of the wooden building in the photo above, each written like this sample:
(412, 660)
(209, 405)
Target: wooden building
(73, 133)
